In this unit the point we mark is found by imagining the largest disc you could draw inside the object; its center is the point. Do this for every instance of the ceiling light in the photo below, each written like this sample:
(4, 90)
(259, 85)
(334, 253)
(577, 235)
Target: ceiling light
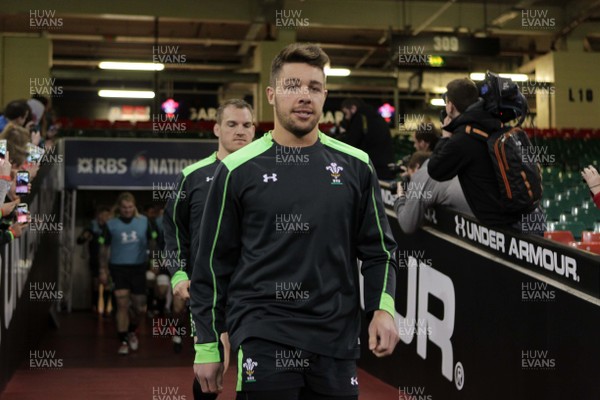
(337, 71)
(479, 76)
(131, 66)
(127, 94)
(437, 102)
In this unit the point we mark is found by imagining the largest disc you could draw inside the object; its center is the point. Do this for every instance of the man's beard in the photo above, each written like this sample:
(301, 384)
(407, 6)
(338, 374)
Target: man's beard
(290, 126)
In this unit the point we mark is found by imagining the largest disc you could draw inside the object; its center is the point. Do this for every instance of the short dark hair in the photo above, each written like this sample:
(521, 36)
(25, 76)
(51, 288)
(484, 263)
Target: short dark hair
(306, 53)
(418, 157)
(462, 93)
(430, 136)
(16, 109)
(237, 103)
(352, 101)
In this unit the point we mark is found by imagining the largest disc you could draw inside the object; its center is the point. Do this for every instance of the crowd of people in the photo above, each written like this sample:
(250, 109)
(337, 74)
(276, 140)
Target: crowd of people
(233, 255)
(23, 141)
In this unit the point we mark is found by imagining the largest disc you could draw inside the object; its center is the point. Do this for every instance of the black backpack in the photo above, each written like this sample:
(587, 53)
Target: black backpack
(519, 179)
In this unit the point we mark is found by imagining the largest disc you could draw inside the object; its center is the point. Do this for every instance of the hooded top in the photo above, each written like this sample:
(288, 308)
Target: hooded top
(466, 155)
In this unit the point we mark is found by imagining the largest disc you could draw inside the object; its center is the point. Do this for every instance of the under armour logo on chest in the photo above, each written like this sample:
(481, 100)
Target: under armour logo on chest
(272, 178)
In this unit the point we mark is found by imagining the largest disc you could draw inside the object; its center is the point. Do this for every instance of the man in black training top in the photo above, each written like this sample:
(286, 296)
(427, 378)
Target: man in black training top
(368, 131)
(183, 213)
(285, 220)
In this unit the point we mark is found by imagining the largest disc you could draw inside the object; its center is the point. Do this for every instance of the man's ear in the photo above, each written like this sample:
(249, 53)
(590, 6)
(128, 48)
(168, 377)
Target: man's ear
(453, 110)
(217, 130)
(270, 95)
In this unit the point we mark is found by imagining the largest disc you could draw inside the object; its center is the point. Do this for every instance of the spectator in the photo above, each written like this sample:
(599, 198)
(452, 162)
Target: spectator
(426, 139)
(462, 151)
(424, 193)
(368, 131)
(17, 138)
(590, 174)
(9, 229)
(15, 112)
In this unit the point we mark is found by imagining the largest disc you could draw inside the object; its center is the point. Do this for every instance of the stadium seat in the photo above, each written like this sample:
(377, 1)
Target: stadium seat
(560, 236)
(125, 125)
(589, 236)
(144, 125)
(592, 247)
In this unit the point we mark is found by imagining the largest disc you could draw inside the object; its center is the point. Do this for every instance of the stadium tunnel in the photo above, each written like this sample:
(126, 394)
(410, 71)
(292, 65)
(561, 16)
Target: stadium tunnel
(482, 312)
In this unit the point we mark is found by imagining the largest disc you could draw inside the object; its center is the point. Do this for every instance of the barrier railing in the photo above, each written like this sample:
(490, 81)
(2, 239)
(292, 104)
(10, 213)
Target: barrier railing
(28, 275)
(485, 313)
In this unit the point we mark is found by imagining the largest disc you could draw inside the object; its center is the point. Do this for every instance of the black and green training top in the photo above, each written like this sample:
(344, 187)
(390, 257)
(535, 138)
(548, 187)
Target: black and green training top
(279, 241)
(183, 214)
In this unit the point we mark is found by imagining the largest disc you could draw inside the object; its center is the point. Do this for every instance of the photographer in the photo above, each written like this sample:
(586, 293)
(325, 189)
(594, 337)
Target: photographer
(460, 152)
(422, 193)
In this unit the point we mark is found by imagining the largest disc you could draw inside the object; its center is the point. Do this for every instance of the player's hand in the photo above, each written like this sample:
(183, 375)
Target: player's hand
(182, 290)
(383, 334)
(590, 174)
(210, 377)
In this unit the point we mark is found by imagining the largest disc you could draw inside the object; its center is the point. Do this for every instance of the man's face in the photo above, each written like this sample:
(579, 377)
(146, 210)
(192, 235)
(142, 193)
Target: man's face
(298, 97)
(126, 209)
(420, 145)
(103, 217)
(20, 121)
(347, 113)
(236, 129)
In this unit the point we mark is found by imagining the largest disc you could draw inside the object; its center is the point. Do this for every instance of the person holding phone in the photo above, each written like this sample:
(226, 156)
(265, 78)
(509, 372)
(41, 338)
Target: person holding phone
(9, 229)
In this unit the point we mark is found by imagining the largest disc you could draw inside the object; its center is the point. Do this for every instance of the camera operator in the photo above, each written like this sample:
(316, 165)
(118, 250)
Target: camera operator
(422, 193)
(462, 151)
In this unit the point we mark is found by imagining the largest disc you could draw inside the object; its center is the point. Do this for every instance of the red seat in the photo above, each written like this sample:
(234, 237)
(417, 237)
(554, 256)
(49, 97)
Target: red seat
(549, 133)
(567, 133)
(584, 134)
(588, 236)
(592, 247)
(81, 123)
(64, 122)
(101, 124)
(126, 125)
(560, 236)
(144, 125)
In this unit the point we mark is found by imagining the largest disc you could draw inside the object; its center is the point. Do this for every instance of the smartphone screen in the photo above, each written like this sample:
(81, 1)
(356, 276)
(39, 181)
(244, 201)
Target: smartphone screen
(22, 182)
(22, 211)
(3, 148)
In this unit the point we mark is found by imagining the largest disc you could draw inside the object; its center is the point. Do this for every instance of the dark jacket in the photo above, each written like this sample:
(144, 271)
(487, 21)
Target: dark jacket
(369, 132)
(466, 155)
(278, 249)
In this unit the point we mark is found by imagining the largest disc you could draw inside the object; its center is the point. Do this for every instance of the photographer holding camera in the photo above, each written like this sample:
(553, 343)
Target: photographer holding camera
(463, 151)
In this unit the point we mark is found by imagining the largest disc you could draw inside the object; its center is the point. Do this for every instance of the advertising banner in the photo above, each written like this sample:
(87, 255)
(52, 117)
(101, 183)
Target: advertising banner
(135, 164)
(483, 316)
